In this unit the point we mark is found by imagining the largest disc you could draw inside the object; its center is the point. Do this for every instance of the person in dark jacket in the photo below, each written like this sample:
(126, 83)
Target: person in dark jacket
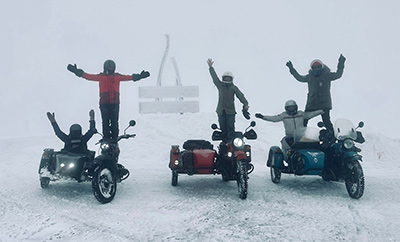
(226, 100)
(74, 142)
(319, 80)
(109, 93)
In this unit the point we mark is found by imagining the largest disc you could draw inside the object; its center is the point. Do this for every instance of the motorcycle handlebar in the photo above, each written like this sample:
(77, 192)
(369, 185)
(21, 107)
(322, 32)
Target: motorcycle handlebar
(126, 136)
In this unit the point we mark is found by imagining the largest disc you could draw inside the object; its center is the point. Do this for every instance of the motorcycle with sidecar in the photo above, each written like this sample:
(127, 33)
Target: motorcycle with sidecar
(334, 157)
(103, 171)
(232, 160)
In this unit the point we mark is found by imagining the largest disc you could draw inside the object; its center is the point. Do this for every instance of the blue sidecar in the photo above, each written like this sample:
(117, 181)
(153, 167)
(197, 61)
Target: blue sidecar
(333, 156)
(303, 158)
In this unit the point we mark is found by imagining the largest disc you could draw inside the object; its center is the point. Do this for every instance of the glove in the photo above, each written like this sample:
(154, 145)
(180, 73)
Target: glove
(290, 65)
(91, 115)
(143, 74)
(51, 117)
(75, 70)
(259, 115)
(342, 59)
(246, 113)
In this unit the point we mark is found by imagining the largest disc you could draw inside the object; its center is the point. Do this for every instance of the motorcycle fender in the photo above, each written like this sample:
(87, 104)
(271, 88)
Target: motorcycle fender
(99, 160)
(275, 157)
(240, 155)
(46, 157)
(350, 156)
(174, 158)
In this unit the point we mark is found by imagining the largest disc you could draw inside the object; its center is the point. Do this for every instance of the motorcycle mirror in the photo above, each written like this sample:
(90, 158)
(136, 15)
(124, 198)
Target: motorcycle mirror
(132, 123)
(361, 124)
(214, 126)
(320, 124)
(253, 123)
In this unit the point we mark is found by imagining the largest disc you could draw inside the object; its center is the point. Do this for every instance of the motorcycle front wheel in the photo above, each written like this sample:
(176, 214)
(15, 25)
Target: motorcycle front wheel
(242, 179)
(104, 183)
(354, 180)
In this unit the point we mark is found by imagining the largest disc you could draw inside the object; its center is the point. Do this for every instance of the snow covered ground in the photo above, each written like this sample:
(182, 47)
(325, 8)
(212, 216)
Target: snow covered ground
(201, 208)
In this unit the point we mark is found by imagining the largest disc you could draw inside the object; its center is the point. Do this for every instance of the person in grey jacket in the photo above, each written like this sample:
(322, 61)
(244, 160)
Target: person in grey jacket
(226, 100)
(293, 120)
(319, 80)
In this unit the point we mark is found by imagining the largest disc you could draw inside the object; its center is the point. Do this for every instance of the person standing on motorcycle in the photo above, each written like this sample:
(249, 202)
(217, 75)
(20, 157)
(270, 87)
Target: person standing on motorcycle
(75, 142)
(293, 120)
(109, 93)
(319, 80)
(226, 100)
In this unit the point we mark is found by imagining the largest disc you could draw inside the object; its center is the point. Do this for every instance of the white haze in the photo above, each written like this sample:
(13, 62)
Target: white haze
(253, 39)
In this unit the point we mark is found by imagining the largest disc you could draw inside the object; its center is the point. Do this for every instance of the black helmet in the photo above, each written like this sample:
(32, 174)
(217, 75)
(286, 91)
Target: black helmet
(291, 107)
(109, 67)
(75, 131)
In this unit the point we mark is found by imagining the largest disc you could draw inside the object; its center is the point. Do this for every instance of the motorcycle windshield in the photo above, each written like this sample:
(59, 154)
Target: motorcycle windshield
(307, 134)
(343, 129)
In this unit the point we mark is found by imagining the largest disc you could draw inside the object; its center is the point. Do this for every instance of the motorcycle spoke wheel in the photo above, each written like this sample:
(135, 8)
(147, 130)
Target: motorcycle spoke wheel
(242, 179)
(104, 184)
(355, 181)
(275, 175)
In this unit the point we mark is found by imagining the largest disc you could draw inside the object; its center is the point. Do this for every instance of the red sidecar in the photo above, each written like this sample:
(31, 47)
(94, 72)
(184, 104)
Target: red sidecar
(198, 157)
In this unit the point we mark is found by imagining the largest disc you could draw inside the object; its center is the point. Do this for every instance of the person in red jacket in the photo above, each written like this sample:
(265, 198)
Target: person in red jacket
(109, 93)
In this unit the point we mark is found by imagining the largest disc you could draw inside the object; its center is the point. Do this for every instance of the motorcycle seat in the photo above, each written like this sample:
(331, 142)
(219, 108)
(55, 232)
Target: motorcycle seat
(197, 144)
(305, 145)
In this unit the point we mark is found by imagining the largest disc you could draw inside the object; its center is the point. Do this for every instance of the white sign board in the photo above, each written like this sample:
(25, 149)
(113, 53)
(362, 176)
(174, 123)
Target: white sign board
(169, 107)
(175, 104)
(168, 92)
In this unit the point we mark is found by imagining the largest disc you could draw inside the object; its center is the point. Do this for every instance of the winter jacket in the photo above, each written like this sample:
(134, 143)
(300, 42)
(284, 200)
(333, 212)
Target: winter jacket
(226, 92)
(109, 85)
(292, 122)
(319, 87)
(75, 145)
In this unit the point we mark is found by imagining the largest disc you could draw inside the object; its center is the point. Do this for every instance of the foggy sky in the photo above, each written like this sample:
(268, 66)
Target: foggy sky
(253, 39)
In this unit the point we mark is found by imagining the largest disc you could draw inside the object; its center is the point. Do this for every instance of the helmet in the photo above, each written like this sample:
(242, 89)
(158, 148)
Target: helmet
(227, 77)
(75, 131)
(109, 67)
(316, 63)
(291, 107)
(316, 67)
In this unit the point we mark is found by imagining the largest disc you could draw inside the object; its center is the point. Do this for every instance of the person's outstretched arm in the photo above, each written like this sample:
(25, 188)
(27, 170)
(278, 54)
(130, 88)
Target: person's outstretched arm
(216, 80)
(92, 127)
(340, 67)
(294, 73)
(60, 134)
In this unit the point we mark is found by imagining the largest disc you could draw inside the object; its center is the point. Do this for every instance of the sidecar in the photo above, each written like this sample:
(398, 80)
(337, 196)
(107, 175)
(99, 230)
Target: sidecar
(197, 157)
(303, 158)
(56, 165)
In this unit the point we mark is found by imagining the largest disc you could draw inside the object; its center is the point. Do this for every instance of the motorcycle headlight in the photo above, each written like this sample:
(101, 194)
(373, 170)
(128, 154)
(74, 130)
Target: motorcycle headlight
(348, 143)
(238, 142)
(105, 146)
